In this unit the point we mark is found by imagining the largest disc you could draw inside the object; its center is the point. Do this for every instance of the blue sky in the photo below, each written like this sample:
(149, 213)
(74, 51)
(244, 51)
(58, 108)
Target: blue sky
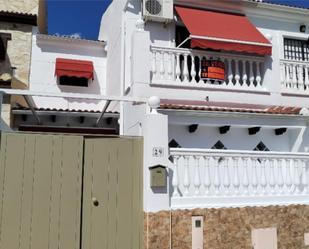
(82, 17)
(78, 17)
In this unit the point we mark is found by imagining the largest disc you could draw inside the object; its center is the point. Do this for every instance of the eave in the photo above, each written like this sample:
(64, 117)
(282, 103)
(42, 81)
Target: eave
(18, 17)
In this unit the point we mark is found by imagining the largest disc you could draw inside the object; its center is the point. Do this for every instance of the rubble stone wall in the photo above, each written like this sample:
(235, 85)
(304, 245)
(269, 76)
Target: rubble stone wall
(227, 228)
(21, 6)
(18, 50)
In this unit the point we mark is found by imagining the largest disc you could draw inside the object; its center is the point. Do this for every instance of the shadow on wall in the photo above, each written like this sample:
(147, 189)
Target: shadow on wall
(134, 7)
(4, 126)
(299, 140)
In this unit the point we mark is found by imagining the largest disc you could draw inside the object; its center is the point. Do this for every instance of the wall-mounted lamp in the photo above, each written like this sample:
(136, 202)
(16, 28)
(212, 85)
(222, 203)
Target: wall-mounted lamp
(302, 28)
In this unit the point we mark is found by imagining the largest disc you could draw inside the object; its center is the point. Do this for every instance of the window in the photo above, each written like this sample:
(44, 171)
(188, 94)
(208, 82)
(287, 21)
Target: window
(73, 81)
(219, 146)
(296, 49)
(4, 38)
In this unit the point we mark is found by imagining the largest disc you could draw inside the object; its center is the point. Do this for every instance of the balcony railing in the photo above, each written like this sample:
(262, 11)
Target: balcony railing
(295, 76)
(182, 68)
(224, 178)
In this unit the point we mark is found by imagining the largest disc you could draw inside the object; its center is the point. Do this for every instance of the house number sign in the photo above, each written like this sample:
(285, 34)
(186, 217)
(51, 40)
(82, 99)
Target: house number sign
(157, 152)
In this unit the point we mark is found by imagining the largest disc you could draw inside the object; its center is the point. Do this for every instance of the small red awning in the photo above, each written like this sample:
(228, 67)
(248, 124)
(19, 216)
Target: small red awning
(74, 68)
(223, 31)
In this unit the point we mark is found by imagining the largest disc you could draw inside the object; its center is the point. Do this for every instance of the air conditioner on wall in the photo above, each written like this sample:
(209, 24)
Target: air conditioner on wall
(158, 10)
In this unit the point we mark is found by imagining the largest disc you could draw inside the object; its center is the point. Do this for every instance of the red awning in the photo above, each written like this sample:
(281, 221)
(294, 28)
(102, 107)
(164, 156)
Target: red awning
(74, 68)
(223, 31)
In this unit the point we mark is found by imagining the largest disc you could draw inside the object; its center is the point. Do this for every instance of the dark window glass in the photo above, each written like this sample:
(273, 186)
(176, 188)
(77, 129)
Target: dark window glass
(4, 38)
(73, 81)
(296, 49)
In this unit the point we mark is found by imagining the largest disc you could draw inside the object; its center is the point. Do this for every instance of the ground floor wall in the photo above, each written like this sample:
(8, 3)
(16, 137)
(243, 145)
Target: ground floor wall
(227, 228)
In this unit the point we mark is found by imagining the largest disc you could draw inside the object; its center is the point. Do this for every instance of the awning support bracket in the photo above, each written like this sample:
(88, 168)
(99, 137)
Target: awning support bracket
(28, 101)
(102, 113)
(188, 38)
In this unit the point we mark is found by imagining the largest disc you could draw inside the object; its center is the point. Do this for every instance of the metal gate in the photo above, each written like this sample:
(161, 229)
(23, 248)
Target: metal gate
(70, 192)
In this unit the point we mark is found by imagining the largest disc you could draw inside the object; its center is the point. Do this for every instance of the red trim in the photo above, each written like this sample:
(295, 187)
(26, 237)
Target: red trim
(74, 68)
(217, 25)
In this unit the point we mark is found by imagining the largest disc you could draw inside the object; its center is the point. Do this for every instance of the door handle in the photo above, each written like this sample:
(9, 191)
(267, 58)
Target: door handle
(95, 202)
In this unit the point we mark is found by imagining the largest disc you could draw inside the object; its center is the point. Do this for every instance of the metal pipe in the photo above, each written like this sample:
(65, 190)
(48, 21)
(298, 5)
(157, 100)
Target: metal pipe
(32, 109)
(188, 38)
(103, 112)
(73, 95)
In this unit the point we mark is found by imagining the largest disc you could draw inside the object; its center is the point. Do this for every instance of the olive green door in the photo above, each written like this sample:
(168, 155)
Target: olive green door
(70, 192)
(40, 191)
(112, 199)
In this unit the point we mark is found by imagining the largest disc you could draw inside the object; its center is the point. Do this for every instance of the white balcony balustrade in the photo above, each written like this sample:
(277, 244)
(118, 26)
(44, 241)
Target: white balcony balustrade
(182, 68)
(295, 76)
(224, 178)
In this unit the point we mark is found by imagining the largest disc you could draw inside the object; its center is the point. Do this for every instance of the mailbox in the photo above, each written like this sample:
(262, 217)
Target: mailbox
(158, 176)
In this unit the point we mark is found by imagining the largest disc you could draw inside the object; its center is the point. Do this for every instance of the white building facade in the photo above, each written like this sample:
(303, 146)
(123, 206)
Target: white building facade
(227, 128)
(62, 65)
(234, 137)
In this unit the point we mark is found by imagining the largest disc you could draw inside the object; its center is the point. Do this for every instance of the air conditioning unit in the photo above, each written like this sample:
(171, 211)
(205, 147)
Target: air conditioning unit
(158, 10)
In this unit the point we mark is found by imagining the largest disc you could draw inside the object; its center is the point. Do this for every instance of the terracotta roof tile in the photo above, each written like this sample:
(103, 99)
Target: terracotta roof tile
(228, 107)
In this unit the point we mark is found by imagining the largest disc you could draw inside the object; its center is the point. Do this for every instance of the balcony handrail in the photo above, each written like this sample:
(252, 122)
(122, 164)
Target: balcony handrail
(207, 53)
(237, 153)
(297, 62)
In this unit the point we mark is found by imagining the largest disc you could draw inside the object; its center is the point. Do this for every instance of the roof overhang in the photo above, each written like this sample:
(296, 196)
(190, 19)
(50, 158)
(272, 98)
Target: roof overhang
(17, 17)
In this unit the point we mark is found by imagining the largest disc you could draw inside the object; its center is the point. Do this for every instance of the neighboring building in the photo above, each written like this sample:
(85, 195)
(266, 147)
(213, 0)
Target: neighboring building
(18, 19)
(233, 81)
(62, 64)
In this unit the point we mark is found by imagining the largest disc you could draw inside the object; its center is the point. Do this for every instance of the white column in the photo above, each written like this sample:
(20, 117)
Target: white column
(263, 180)
(237, 76)
(244, 74)
(162, 66)
(288, 181)
(193, 69)
(251, 75)
(175, 181)
(185, 68)
(177, 70)
(217, 181)
(254, 162)
(272, 182)
(236, 182)
(226, 179)
(155, 135)
(245, 178)
(197, 178)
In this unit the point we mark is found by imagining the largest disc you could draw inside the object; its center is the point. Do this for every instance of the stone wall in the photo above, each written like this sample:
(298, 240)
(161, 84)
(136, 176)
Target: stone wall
(18, 56)
(22, 6)
(228, 228)
(18, 50)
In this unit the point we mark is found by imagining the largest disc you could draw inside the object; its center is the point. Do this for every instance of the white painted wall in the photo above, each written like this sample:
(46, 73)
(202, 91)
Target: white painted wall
(112, 32)
(159, 34)
(236, 139)
(129, 72)
(45, 50)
